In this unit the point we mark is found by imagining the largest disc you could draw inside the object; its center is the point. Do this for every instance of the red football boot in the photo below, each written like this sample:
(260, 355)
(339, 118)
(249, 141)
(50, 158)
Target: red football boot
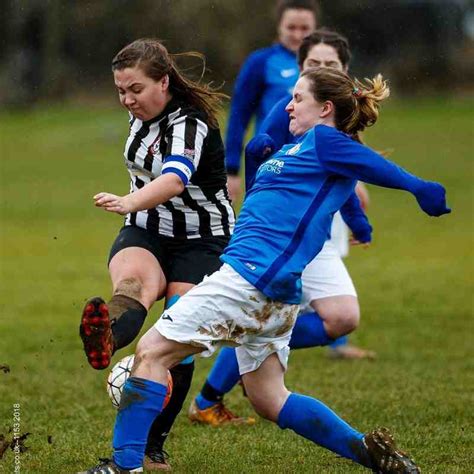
(96, 333)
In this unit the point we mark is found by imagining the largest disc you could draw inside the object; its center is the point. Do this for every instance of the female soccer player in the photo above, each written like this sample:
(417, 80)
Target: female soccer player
(178, 218)
(330, 307)
(253, 300)
(266, 76)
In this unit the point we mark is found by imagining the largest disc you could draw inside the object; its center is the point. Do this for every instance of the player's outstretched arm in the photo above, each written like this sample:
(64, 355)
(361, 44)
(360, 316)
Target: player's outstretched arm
(342, 155)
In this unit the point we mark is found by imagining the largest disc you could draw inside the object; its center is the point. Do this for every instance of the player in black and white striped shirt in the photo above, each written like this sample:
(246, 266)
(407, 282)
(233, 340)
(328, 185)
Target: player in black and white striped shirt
(178, 217)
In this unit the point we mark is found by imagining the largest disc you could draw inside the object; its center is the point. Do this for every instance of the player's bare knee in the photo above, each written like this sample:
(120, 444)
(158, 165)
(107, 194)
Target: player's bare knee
(265, 408)
(131, 287)
(343, 322)
(268, 403)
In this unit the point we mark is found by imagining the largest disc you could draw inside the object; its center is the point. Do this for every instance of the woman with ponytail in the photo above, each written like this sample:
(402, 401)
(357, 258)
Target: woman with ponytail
(178, 217)
(329, 309)
(253, 299)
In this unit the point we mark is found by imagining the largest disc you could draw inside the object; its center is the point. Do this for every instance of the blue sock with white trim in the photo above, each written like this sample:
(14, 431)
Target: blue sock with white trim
(309, 332)
(142, 401)
(340, 341)
(223, 377)
(315, 421)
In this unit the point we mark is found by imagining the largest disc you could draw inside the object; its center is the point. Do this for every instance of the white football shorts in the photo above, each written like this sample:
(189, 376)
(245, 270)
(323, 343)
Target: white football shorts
(225, 309)
(325, 276)
(340, 235)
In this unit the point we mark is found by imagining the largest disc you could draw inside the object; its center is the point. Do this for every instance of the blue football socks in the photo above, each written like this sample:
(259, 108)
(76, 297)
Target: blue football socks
(340, 341)
(315, 421)
(309, 332)
(142, 400)
(223, 377)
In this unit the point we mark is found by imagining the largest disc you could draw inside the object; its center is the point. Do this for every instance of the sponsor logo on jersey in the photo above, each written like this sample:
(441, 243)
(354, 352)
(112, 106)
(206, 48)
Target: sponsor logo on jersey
(285, 73)
(294, 150)
(249, 265)
(272, 166)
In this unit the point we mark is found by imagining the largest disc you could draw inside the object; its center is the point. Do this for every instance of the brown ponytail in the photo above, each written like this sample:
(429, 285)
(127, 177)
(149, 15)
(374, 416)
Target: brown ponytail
(155, 61)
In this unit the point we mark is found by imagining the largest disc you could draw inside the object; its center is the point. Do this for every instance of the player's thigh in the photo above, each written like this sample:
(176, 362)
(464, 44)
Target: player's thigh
(136, 265)
(266, 389)
(153, 347)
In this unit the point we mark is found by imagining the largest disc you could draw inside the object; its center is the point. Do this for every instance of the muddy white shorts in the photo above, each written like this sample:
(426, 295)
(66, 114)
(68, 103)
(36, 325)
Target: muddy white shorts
(325, 276)
(224, 309)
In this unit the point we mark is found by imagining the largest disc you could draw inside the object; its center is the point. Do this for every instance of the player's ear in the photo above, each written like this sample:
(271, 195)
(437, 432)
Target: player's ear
(165, 82)
(328, 109)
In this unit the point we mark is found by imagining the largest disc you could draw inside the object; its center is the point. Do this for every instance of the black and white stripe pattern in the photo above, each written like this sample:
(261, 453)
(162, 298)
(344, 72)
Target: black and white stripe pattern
(181, 137)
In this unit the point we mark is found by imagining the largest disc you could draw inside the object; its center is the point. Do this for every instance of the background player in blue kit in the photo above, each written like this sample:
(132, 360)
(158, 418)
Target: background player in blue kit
(253, 300)
(267, 75)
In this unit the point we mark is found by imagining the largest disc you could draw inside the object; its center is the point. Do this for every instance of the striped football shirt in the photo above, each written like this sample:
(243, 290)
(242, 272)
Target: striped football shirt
(179, 140)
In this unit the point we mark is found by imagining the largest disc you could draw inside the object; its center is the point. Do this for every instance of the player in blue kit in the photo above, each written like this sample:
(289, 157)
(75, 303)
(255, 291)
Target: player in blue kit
(266, 76)
(253, 300)
(330, 307)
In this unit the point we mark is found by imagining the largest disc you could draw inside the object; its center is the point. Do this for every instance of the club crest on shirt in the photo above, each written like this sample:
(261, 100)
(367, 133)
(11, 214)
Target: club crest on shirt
(154, 148)
(294, 150)
(189, 153)
(285, 73)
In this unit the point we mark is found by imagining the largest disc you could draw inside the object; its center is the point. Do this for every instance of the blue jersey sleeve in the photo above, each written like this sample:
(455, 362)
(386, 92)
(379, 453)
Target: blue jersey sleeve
(277, 122)
(340, 154)
(248, 89)
(274, 133)
(356, 219)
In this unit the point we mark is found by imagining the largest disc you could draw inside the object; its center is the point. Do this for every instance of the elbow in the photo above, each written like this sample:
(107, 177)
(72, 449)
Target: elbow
(178, 185)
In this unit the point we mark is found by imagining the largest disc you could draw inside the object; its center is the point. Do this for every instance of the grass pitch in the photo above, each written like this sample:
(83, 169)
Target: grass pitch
(414, 283)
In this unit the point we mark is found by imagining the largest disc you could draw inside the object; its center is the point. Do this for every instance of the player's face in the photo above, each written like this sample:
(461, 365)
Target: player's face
(323, 55)
(144, 97)
(294, 26)
(304, 109)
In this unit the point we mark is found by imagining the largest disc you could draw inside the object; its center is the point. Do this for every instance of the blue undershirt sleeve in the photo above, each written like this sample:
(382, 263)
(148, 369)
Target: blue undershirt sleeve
(247, 93)
(277, 122)
(356, 219)
(273, 134)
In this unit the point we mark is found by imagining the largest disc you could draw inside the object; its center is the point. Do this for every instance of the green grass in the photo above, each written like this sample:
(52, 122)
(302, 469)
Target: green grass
(414, 283)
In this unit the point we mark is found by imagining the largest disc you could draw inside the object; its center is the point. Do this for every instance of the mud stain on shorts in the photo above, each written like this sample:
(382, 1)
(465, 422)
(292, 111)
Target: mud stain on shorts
(204, 331)
(238, 332)
(270, 307)
(289, 318)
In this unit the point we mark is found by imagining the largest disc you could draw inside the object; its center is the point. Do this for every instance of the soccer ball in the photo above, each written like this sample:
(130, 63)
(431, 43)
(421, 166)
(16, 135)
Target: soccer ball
(119, 375)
